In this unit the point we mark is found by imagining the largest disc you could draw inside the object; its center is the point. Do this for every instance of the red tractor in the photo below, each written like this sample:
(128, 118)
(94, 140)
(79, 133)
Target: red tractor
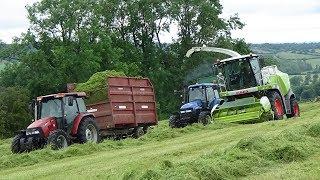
(60, 119)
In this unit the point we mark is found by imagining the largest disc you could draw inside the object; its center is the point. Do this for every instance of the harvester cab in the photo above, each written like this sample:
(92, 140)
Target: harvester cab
(200, 99)
(59, 119)
(252, 93)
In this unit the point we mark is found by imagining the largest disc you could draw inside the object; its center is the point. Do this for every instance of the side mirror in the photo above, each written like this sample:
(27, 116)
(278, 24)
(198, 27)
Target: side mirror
(70, 101)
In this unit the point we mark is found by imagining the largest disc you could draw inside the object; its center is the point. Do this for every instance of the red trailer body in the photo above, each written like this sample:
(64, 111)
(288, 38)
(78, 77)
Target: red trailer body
(131, 104)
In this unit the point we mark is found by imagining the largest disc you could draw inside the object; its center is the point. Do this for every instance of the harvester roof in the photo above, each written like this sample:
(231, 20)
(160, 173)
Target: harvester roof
(61, 95)
(237, 58)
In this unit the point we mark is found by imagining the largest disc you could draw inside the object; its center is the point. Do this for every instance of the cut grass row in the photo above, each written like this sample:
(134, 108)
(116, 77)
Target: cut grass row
(217, 151)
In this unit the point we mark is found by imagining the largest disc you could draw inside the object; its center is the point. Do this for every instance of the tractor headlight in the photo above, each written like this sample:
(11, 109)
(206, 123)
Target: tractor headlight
(32, 131)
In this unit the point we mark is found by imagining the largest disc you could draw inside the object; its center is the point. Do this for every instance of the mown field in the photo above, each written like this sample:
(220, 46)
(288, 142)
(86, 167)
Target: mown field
(313, 59)
(287, 149)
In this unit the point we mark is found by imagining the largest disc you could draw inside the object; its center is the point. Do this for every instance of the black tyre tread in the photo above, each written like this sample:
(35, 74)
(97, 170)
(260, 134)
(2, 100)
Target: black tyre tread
(203, 118)
(174, 121)
(53, 137)
(292, 102)
(82, 129)
(138, 132)
(15, 145)
(272, 96)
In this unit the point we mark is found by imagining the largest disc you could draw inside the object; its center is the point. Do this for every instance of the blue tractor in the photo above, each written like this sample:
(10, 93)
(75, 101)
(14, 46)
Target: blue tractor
(199, 101)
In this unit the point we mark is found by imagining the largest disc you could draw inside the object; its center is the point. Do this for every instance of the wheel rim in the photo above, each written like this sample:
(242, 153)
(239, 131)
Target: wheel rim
(296, 110)
(62, 141)
(91, 133)
(278, 107)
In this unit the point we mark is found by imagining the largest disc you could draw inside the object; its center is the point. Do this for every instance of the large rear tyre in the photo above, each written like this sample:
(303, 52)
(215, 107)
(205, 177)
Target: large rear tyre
(15, 145)
(205, 118)
(88, 131)
(276, 105)
(295, 110)
(58, 139)
(174, 121)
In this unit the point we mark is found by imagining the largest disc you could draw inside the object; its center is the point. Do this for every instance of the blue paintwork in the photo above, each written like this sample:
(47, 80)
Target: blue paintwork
(192, 105)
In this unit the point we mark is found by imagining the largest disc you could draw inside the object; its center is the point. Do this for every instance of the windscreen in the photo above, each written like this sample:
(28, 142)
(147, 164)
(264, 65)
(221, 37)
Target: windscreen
(238, 75)
(51, 108)
(197, 93)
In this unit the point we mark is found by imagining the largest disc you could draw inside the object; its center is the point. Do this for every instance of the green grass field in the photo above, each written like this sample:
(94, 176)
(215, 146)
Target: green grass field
(286, 149)
(313, 59)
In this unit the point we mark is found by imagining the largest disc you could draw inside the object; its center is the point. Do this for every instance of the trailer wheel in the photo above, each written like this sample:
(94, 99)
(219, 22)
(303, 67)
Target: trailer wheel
(295, 110)
(276, 105)
(174, 121)
(58, 139)
(88, 131)
(145, 129)
(204, 118)
(15, 145)
(138, 132)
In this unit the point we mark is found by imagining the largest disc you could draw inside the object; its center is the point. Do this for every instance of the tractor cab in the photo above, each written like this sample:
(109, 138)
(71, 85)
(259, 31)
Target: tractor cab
(59, 120)
(201, 96)
(64, 107)
(240, 73)
(199, 101)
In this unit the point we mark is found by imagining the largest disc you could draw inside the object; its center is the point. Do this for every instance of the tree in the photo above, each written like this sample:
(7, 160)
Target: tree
(14, 114)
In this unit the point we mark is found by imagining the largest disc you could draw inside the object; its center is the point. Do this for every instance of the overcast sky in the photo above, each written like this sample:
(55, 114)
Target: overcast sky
(266, 21)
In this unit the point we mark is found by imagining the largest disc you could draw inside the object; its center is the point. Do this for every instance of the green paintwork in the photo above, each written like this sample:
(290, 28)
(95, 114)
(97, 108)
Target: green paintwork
(243, 110)
(282, 80)
(249, 109)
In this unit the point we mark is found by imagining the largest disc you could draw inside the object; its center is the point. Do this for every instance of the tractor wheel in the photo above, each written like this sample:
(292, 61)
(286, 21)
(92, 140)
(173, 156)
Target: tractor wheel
(88, 131)
(295, 110)
(15, 145)
(145, 129)
(204, 118)
(174, 121)
(58, 139)
(276, 105)
(138, 132)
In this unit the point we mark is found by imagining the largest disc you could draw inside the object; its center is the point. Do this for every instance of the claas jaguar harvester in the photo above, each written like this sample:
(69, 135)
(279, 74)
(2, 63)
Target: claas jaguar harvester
(251, 93)
(61, 119)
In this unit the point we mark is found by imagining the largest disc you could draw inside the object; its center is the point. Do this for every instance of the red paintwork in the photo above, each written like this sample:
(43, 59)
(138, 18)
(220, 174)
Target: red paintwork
(77, 121)
(47, 124)
(278, 106)
(131, 103)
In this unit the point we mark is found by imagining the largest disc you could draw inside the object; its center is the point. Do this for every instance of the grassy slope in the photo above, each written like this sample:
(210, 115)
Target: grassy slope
(278, 149)
(313, 59)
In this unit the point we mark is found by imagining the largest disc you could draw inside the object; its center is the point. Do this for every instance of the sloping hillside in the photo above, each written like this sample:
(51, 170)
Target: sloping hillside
(278, 149)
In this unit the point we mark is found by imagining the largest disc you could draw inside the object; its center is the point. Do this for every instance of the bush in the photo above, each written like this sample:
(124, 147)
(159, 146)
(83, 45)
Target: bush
(14, 114)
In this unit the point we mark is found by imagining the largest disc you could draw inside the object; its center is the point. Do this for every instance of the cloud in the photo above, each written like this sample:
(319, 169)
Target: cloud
(276, 21)
(13, 18)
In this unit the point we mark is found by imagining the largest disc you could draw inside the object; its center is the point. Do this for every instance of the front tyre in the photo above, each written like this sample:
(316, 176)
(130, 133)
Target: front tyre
(15, 145)
(88, 131)
(276, 105)
(295, 110)
(58, 139)
(174, 121)
(205, 118)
